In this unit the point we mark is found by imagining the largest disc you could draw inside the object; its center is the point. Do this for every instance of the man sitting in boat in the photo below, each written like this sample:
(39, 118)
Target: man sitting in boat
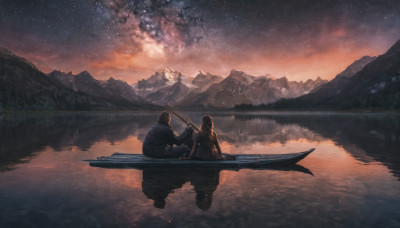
(160, 139)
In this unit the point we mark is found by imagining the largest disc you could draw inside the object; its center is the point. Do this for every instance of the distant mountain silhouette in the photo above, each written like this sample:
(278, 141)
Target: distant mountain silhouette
(166, 87)
(113, 91)
(24, 88)
(170, 94)
(208, 91)
(368, 83)
(376, 86)
(337, 84)
(239, 88)
(204, 80)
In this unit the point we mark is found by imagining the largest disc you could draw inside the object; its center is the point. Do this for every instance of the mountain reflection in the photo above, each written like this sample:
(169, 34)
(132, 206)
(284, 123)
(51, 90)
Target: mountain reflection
(22, 136)
(247, 130)
(375, 135)
(364, 136)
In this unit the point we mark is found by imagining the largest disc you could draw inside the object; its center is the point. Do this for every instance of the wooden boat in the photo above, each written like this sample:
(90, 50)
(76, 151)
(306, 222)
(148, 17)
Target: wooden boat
(242, 161)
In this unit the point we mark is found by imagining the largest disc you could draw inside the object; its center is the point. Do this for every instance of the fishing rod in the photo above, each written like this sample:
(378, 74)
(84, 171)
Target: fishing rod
(170, 109)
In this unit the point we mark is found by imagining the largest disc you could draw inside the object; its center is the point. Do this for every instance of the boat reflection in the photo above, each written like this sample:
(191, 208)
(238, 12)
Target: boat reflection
(157, 184)
(375, 135)
(367, 137)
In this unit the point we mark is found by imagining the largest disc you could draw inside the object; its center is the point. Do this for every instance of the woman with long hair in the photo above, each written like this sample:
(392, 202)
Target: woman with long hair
(206, 145)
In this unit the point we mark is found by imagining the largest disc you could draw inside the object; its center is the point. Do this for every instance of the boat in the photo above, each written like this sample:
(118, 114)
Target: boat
(139, 161)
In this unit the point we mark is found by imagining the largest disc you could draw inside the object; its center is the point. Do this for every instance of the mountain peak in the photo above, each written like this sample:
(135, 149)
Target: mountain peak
(56, 72)
(202, 72)
(240, 76)
(366, 58)
(233, 71)
(5, 51)
(284, 78)
(170, 75)
(236, 72)
(168, 70)
(355, 67)
(84, 73)
(204, 80)
(269, 76)
(114, 81)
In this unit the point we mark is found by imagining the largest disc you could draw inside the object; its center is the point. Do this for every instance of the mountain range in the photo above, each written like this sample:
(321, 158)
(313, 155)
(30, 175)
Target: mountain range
(24, 88)
(114, 91)
(370, 82)
(170, 87)
(207, 91)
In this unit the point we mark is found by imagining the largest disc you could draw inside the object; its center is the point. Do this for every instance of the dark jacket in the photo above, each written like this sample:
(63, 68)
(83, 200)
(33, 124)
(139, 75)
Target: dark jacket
(159, 136)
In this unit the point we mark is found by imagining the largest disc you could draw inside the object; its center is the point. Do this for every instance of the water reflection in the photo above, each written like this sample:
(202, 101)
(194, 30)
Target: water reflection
(375, 135)
(365, 136)
(22, 136)
(356, 166)
(157, 184)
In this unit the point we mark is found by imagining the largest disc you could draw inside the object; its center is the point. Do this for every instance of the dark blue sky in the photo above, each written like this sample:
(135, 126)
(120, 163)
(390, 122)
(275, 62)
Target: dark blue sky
(131, 39)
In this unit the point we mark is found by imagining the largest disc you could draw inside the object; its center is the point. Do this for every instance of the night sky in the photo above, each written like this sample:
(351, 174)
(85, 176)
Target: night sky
(129, 39)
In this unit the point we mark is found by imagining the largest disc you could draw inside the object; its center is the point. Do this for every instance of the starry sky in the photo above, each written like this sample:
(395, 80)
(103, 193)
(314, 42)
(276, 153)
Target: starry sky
(131, 39)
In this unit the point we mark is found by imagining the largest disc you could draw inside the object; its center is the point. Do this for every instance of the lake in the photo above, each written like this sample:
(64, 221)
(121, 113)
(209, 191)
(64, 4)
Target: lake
(352, 179)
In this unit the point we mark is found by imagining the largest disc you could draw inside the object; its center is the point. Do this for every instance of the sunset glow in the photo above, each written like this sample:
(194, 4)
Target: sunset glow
(130, 41)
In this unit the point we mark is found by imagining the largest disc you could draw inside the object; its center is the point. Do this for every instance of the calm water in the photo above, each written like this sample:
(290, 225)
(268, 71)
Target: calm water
(352, 179)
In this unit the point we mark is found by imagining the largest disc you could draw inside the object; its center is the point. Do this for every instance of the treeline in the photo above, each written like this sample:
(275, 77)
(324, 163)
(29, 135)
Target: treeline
(378, 102)
(282, 104)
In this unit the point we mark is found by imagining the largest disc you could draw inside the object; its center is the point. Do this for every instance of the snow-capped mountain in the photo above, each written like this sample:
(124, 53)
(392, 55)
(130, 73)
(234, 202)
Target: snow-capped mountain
(204, 80)
(170, 94)
(160, 80)
(240, 88)
(170, 86)
(206, 90)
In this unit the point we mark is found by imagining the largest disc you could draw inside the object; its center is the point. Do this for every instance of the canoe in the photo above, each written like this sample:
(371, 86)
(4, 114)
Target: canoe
(242, 161)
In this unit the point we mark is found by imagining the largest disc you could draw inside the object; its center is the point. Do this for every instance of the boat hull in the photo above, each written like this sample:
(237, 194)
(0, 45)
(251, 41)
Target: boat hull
(242, 161)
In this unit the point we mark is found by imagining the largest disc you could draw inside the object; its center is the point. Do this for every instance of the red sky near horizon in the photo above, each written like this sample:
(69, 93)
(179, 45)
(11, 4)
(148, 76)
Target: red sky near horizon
(130, 40)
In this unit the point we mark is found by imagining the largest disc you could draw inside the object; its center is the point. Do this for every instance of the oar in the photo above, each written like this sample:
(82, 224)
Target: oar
(170, 109)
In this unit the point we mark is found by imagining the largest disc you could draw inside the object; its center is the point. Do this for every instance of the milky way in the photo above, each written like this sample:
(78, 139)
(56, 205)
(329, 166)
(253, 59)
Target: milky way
(131, 39)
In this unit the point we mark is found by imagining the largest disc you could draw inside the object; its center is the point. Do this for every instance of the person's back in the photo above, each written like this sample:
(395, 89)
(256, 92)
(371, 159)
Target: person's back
(206, 145)
(160, 139)
(157, 139)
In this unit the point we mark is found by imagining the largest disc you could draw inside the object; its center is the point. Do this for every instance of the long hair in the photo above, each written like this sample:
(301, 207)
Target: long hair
(207, 127)
(164, 118)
